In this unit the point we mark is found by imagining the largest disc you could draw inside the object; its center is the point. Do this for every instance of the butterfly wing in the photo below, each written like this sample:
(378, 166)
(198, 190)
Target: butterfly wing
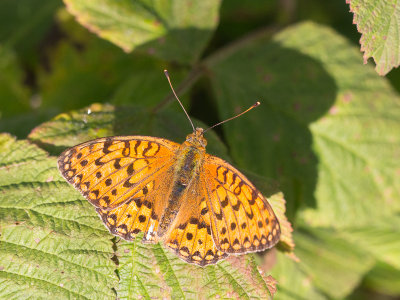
(190, 236)
(124, 177)
(241, 218)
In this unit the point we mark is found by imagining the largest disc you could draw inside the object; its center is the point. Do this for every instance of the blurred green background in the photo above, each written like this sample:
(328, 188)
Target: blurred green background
(327, 132)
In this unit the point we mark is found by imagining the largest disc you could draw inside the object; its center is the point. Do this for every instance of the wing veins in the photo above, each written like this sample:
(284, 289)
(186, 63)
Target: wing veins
(135, 185)
(223, 214)
(117, 170)
(231, 207)
(251, 209)
(121, 215)
(212, 208)
(111, 161)
(194, 239)
(148, 222)
(83, 157)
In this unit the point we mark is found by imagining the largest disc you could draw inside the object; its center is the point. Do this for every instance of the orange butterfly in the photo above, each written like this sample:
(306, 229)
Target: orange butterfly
(197, 204)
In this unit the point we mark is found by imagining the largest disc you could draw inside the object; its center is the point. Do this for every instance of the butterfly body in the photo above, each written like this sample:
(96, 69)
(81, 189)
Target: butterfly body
(189, 159)
(197, 204)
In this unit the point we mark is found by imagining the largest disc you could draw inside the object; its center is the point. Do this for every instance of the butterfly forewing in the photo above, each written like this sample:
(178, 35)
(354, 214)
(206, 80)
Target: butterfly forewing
(122, 177)
(242, 220)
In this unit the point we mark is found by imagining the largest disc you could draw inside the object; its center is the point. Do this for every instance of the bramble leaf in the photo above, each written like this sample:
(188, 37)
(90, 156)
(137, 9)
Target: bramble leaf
(172, 30)
(51, 241)
(378, 22)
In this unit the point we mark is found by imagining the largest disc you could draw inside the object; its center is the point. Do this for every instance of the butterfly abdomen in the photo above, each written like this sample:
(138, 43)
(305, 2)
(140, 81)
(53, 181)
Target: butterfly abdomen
(187, 167)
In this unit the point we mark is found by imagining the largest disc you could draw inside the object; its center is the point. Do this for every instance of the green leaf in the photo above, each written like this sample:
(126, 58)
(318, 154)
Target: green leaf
(76, 78)
(147, 86)
(282, 149)
(121, 78)
(384, 279)
(327, 127)
(286, 242)
(16, 114)
(293, 282)
(172, 30)
(14, 97)
(378, 22)
(380, 241)
(334, 265)
(356, 141)
(51, 241)
(152, 271)
(22, 123)
(24, 23)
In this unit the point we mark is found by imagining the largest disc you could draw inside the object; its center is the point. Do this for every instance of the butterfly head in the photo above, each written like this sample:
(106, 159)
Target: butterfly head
(197, 139)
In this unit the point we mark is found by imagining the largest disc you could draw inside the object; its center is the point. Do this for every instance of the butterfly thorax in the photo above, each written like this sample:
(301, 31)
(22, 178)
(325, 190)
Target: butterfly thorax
(188, 165)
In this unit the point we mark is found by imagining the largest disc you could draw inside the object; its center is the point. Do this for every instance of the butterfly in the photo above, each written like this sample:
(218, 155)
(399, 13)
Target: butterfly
(198, 205)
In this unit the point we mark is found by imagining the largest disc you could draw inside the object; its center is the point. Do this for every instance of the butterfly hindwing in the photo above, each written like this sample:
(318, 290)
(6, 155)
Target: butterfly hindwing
(191, 238)
(242, 219)
(139, 214)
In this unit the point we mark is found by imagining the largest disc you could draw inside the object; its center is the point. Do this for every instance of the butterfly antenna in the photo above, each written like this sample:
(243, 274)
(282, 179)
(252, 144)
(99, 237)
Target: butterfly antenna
(243, 112)
(176, 96)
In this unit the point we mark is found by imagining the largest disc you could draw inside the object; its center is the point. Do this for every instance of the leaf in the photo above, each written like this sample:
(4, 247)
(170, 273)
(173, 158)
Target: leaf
(378, 22)
(120, 78)
(282, 150)
(51, 242)
(384, 279)
(14, 97)
(327, 127)
(172, 30)
(286, 242)
(380, 241)
(75, 78)
(24, 23)
(16, 113)
(293, 282)
(151, 271)
(356, 140)
(147, 86)
(22, 123)
(334, 265)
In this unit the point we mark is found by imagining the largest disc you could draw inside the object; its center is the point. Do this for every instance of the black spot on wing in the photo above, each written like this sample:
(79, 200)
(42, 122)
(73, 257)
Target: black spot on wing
(149, 145)
(224, 203)
(117, 165)
(204, 211)
(137, 144)
(130, 169)
(107, 145)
